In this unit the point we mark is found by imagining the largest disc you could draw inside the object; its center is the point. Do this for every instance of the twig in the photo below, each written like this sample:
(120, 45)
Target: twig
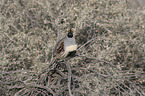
(86, 43)
(101, 25)
(69, 79)
(58, 34)
(17, 93)
(52, 57)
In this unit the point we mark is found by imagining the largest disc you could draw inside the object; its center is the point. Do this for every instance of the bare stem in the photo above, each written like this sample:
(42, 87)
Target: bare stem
(69, 79)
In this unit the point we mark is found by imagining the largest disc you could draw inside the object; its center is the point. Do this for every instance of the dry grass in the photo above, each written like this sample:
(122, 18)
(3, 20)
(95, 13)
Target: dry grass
(111, 63)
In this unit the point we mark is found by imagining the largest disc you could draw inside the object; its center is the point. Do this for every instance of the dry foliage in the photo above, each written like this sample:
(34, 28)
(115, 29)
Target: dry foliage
(109, 62)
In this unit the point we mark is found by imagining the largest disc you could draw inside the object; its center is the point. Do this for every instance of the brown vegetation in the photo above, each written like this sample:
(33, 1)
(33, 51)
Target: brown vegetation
(109, 61)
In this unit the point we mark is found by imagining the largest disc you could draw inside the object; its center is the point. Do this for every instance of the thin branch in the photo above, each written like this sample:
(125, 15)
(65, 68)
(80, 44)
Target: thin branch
(17, 93)
(86, 43)
(52, 56)
(58, 34)
(69, 79)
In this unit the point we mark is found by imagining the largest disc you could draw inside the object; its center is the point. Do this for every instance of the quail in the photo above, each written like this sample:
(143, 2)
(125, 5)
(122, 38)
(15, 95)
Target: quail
(66, 47)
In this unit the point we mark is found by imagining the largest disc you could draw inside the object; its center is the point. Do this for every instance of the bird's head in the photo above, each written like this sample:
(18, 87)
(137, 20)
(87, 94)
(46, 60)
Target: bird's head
(70, 33)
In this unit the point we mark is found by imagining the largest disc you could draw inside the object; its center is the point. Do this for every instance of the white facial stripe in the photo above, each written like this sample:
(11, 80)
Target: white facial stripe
(71, 48)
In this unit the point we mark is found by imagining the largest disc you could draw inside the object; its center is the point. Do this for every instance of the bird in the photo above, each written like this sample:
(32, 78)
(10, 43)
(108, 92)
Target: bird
(66, 47)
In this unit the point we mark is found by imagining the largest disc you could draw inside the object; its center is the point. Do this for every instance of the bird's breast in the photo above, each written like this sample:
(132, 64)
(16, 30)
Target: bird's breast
(71, 48)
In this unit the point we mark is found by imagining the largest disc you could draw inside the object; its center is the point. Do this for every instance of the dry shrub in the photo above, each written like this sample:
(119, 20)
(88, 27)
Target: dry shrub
(110, 63)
